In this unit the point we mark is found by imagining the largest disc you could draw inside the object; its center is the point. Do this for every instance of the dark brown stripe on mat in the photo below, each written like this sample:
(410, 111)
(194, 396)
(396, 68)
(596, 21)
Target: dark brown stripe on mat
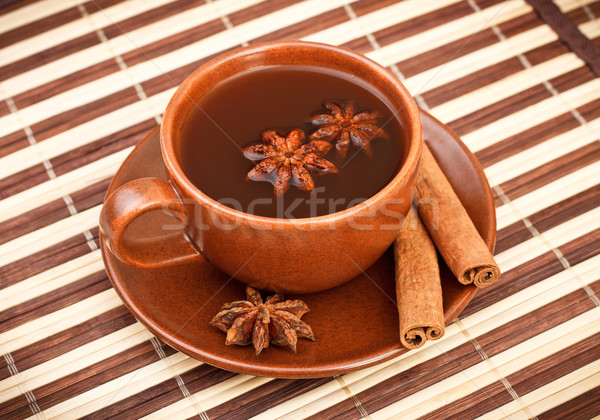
(264, 397)
(583, 248)
(489, 114)
(53, 301)
(102, 147)
(466, 45)
(160, 395)
(258, 10)
(535, 270)
(306, 27)
(551, 171)
(567, 209)
(408, 382)
(43, 260)
(143, 19)
(471, 82)
(72, 338)
(7, 6)
(536, 322)
(21, 181)
(579, 16)
(88, 378)
(203, 377)
(62, 84)
(473, 405)
(441, 55)
(49, 55)
(511, 235)
(33, 220)
(360, 45)
(526, 139)
(422, 23)
(173, 42)
(568, 33)
(572, 79)
(91, 196)
(12, 142)
(143, 404)
(76, 158)
(584, 406)
(542, 372)
(40, 26)
(76, 116)
(514, 280)
(175, 77)
(362, 7)
(483, 77)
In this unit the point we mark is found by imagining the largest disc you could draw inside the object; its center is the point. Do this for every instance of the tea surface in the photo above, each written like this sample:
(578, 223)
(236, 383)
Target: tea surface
(235, 113)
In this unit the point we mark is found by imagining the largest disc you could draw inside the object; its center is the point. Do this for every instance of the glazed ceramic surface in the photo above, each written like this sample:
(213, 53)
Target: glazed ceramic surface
(355, 324)
(300, 255)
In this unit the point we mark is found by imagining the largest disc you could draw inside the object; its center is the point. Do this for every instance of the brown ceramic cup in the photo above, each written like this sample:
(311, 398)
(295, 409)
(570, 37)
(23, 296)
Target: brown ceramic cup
(293, 256)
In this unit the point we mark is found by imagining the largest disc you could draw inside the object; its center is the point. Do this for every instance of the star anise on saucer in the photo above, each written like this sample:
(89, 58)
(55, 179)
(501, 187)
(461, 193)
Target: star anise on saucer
(252, 321)
(288, 160)
(344, 127)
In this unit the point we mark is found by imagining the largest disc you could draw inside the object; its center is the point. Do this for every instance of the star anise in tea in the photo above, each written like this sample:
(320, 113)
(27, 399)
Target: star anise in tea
(252, 321)
(344, 127)
(288, 160)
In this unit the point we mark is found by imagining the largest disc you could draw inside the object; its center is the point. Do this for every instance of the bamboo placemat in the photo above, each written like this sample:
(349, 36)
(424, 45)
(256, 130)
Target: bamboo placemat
(83, 81)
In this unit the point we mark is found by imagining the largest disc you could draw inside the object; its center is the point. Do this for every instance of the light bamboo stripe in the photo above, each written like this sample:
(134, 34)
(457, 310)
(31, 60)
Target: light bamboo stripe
(122, 387)
(449, 32)
(377, 20)
(76, 180)
(118, 81)
(481, 322)
(507, 87)
(156, 31)
(548, 195)
(32, 12)
(84, 134)
(480, 59)
(552, 394)
(117, 46)
(74, 360)
(35, 241)
(566, 6)
(591, 29)
(50, 280)
(533, 115)
(501, 365)
(210, 397)
(543, 153)
(68, 100)
(58, 321)
(76, 28)
(546, 241)
(176, 59)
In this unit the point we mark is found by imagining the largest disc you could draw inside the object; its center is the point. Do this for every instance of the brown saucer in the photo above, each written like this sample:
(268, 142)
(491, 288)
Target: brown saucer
(355, 324)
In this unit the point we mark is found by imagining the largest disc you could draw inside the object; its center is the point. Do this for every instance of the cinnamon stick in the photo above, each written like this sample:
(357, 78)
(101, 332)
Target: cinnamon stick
(451, 228)
(418, 287)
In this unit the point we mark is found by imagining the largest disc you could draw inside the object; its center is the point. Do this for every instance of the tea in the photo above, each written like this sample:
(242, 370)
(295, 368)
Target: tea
(234, 114)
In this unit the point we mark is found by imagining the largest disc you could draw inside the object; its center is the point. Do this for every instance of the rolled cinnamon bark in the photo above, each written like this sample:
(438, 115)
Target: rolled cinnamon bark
(451, 228)
(418, 287)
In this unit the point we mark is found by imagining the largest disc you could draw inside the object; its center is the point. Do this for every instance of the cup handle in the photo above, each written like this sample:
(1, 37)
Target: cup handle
(130, 201)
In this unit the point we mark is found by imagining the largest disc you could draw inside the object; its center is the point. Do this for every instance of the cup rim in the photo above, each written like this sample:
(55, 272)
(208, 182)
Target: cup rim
(168, 126)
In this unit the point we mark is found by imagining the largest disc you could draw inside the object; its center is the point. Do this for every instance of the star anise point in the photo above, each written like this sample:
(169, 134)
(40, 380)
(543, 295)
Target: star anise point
(259, 323)
(288, 160)
(345, 127)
